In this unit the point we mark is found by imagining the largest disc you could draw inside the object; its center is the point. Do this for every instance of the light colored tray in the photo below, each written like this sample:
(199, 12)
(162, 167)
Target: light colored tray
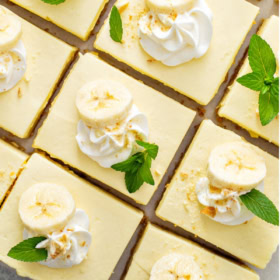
(268, 7)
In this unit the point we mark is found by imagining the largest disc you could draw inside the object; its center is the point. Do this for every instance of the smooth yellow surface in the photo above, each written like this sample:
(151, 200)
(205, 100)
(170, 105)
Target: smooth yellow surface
(241, 104)
(253, 242)
(76, 16)
(157, 243)
(200, 78)
(47, 58)
(112, 224)
(11, 161)
(168, 123)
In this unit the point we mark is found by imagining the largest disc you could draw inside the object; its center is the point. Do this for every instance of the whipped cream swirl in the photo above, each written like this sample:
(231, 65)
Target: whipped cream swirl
(116, 143)
(175, 38)
(69, 246)
(12, 66)
(229, 209)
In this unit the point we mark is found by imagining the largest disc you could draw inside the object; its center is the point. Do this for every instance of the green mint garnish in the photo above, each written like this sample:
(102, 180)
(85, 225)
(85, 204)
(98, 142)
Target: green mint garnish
(116, 28)
(54, 2)
(26, 251)
(260, 205)
(138, 167)
(263, 63)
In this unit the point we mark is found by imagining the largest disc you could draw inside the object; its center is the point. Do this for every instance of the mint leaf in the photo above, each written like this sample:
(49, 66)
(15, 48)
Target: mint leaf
(261, 57)
(131, 164)
(54, 2)
(263, 63)
(265, 89)
(254, 81)
(116, 29)
(26, 251)
(145, 171)
(133, 181)
(152, 149)
(138, 167)
(138, 176)
(260, 205)
(269, 104)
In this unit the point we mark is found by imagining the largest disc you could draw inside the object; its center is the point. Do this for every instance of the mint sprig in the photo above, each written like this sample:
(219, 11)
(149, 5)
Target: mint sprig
(260, 205)
(263, 64)
(54, 2)
(137, 168)
(116, 28)
(26, 251)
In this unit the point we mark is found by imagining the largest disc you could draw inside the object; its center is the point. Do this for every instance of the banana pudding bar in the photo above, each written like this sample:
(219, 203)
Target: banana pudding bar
(34, 63)
(96, 123)
(11, 162)
(204, 196)
(79, 229)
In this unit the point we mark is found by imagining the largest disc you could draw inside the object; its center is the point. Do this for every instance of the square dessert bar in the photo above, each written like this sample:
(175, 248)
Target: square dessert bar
(200, 78)
(112, 224)
(157, 243)
(11, 161)
(254, 241)
(241, 105)
(168, 123)
(47, 59)
(75, 16)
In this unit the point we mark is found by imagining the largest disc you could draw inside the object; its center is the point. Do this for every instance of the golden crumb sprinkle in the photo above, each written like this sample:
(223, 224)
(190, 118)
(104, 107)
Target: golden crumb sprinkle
(19, 93)
(157, 173)
(209, 211)
(184, 176)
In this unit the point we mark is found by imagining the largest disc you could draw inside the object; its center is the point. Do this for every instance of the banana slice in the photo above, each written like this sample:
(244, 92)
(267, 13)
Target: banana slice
(10, 29)
(176, 267)
(236, 166)
(46, 207)
(169, 6)
(102, 103)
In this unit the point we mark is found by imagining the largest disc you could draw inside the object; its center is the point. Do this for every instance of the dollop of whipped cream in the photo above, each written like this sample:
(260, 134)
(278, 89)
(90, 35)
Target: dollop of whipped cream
(69, 246)
(115, 143)
(226, 204)
(175, 38)
(12, 66)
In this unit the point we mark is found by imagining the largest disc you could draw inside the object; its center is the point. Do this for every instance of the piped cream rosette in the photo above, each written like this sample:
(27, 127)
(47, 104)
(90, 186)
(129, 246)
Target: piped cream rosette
(49, 210)
(12, 51)
(110, 122)
(176, 31)
(176, 266)
(234, 169)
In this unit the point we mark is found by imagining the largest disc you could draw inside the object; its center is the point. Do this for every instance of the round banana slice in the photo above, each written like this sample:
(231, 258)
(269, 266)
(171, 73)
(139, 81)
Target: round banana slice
(10, 29)
(236, 166)
(46, 207)
(102, 103)
(176, 266)
(170, 6)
